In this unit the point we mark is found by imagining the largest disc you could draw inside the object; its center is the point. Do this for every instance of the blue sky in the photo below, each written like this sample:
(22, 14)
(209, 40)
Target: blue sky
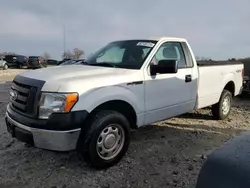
(215, 29)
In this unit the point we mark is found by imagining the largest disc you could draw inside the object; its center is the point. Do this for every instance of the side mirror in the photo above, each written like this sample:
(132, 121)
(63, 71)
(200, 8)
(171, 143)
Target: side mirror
(164, 67)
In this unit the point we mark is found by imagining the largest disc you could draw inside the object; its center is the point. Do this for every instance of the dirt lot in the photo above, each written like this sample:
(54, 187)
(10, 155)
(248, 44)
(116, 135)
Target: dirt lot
(167, 154)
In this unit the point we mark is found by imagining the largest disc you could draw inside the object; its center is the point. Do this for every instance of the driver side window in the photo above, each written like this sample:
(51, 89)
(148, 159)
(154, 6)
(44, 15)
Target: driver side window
(170, 51)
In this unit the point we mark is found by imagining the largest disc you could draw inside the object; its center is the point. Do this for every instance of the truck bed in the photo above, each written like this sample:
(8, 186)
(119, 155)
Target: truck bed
(217, 63)
(213, 77)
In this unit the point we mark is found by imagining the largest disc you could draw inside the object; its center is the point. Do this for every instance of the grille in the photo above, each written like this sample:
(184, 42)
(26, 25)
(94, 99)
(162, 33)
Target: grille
(21, 100)
(24, 98)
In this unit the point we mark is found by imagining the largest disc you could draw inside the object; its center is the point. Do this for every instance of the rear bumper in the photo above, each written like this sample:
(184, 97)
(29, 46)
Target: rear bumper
(33, 65)
(44, 139)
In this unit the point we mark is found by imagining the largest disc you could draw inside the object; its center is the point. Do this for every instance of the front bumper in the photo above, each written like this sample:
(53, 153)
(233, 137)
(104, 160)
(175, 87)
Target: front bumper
(59, 133)
(44, 139)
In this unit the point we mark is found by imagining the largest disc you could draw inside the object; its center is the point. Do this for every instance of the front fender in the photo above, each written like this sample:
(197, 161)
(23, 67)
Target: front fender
(92, 99)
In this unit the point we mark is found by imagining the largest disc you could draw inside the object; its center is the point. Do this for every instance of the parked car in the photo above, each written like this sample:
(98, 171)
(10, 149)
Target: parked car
(127, 84)
(80, 61)
(3, 64)
(246, 80)
(62, 61)
(17, 61)
(69, 62)
(35, 62)
(246, 85)
(52, 62)
(73, 62)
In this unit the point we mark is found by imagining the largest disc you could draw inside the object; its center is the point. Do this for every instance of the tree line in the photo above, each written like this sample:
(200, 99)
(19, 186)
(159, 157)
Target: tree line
(76, 53)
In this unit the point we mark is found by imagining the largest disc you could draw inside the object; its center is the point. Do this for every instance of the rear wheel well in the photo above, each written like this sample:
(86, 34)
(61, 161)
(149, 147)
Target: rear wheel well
(122, 107)
(230, 87)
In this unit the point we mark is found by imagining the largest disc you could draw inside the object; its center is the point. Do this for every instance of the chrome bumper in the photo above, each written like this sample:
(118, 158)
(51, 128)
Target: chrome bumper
(49, 139)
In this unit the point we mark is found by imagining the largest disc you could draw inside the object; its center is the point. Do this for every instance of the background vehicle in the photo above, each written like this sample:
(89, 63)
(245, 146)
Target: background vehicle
(35, 62)
(80, 62)
(73, 62)
(17, 61)
(69, 62)
(52, 62)
(3, 64)
(125, 85)
(65, 59)
(246, 81)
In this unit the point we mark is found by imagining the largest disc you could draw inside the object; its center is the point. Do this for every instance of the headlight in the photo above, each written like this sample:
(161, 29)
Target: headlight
(56, 103)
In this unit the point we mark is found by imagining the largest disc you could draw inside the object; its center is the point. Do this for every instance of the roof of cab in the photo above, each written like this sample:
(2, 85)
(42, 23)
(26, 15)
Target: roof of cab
(168, 38)
(177, 39)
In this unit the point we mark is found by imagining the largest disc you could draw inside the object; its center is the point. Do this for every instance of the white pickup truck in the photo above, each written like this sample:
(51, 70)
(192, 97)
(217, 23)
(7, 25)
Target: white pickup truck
(126, 84)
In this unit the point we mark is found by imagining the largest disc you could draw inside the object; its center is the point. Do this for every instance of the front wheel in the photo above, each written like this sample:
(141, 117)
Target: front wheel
(105, 140)
(222, 109)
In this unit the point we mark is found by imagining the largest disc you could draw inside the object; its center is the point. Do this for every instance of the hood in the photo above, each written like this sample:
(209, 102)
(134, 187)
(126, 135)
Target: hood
(70, 72)
(70, 78)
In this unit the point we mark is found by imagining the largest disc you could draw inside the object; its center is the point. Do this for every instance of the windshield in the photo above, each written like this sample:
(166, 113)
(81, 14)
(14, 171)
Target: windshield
(33, 58)
(129, 54)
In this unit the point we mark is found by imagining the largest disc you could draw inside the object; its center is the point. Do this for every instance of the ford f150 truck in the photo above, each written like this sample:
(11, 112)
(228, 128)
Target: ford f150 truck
(126, 84)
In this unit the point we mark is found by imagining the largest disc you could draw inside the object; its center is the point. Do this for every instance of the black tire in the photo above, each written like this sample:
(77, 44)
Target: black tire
(20, 65)
(5, 67)
(217, 109)
(95, 125)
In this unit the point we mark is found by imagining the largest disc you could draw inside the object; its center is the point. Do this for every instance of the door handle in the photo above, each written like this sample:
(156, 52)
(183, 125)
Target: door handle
(188, 78)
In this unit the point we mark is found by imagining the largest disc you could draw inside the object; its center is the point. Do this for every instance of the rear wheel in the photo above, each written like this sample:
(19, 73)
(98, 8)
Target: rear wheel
(5, 67)
(105, 140)
(222, 109)
(20, 65)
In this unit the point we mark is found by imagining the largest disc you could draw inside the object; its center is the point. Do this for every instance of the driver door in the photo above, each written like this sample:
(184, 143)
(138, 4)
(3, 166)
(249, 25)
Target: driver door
(168, 95)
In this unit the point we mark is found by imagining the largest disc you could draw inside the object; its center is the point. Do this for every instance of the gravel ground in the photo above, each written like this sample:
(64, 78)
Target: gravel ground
(166, 154)
(9, 74)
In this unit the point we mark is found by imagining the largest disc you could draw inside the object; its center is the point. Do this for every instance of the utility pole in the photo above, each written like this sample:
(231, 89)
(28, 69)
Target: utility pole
(64, 37)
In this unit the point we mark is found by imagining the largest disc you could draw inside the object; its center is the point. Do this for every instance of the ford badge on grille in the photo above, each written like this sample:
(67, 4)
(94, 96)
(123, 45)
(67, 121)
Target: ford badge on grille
(13, 95)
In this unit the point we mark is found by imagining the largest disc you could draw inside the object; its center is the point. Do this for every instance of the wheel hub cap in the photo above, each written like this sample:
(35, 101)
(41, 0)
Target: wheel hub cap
(226, 105)
(110, 141)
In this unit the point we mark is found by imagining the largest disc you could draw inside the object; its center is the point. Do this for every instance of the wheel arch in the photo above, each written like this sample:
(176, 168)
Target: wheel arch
(122, 107)
(115, 98)
(230, 86)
